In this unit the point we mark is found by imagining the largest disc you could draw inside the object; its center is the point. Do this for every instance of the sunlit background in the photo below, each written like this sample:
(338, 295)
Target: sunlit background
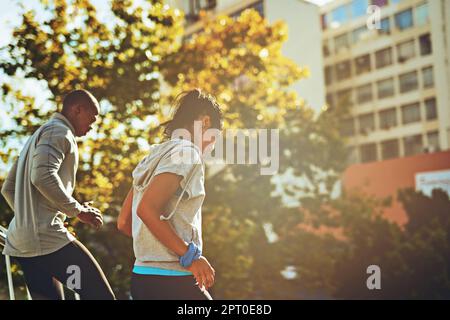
(361, 99)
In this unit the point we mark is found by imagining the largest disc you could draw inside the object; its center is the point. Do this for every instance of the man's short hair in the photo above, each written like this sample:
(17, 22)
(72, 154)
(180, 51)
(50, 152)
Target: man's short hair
(80, 97)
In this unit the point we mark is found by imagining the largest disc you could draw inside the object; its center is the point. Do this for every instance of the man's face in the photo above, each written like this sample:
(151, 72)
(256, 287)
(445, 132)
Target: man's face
(86, 116)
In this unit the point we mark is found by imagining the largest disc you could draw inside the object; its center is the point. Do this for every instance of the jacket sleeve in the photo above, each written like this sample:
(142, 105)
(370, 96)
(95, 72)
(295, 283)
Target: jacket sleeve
(9, 186)
(50, 151)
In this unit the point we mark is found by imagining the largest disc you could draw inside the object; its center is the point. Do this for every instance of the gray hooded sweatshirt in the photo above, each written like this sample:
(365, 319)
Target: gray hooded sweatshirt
(184, 210)
(39, 189)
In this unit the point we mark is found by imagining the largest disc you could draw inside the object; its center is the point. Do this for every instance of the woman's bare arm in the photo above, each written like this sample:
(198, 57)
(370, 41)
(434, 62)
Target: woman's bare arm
(154, 201)
(152, 205)
(124, 219)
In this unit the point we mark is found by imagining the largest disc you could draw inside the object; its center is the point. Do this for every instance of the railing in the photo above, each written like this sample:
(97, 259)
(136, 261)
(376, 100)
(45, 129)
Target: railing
(12, 296)
(8, 264)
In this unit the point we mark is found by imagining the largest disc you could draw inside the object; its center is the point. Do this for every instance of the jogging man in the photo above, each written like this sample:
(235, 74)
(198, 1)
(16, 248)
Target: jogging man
(39, 189)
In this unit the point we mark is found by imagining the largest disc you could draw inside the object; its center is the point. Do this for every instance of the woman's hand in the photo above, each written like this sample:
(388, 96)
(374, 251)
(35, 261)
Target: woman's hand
(203, 272)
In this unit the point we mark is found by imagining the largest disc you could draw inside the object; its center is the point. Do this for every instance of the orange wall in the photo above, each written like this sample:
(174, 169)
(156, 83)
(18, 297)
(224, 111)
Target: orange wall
(384, 178)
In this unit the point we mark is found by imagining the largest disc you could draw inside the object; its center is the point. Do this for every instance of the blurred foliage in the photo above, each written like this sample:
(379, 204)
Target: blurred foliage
(120, 64)
(136, 64)
(414, 259)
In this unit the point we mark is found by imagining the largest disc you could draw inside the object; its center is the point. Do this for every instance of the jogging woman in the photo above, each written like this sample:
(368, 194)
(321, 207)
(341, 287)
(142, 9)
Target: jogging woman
(162, 211)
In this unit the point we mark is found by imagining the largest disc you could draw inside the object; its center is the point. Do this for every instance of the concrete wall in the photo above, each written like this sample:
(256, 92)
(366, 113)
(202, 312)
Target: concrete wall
(385, 178)
(440, 33)
(304, 45)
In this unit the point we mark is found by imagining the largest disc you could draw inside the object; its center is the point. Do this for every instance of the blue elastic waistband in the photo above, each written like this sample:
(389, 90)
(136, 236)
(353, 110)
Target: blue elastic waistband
(159, 272)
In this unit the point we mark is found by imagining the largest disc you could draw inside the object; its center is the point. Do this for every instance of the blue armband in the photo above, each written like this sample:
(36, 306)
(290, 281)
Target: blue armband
(193, 253)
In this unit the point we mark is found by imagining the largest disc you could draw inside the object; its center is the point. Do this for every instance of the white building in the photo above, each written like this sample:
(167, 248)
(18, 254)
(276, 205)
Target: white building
(303, 45)
(395, 79)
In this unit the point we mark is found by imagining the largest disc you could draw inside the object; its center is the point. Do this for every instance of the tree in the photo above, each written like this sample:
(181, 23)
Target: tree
(120, 64)
(414, 260)
(127, 64)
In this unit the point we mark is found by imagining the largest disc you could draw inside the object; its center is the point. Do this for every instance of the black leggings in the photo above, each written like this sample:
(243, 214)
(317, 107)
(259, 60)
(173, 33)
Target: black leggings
(152, 287)
(45, 274)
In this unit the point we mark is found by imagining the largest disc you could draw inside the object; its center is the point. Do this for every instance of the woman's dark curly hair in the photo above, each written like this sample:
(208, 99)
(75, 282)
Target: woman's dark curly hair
(189, 106)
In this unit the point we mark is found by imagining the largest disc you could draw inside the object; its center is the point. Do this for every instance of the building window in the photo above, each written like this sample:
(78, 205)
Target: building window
(406, 51)
(431, 109)
(258, 7)
(362, 64)
(404, 19)
(385, 88)
(426, 47)
(411, 113)
(323, 20)
(359, 8)
(427, 77)
(330, 100)
(364, 93)
(359, 34)
(366, 123)
(421, 14)
(326, 48)
(385, 26)
(388, 118)
(348, 127)
(345, 97)
(413, 145)
(352, 155)
(433, 144)
(380, 3)
(390, 149)
(408, 82)
(195, 6)
(341, 42)
(343, 70)
(328, 75)
(340, 15)
(368, 152)
(383, 58)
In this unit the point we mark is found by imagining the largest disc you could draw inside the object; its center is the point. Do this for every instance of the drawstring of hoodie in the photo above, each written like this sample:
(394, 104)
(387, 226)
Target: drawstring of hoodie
(164, 218)
(141, 187)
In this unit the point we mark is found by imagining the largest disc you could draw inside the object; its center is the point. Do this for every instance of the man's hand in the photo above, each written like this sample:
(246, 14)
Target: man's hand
(203, 272)
(91, 215)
